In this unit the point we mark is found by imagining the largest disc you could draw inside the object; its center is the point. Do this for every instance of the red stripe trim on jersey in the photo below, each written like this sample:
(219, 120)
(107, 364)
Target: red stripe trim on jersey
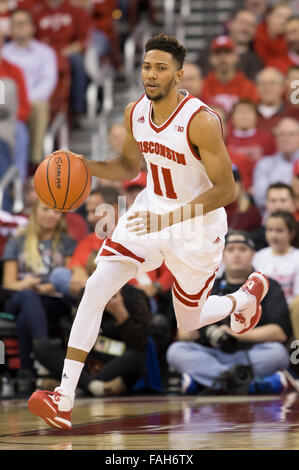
(171, 117)
(107, 253)
(181, 299)
(122, 250)
(131, 114)
(188, 125)
(199, 294)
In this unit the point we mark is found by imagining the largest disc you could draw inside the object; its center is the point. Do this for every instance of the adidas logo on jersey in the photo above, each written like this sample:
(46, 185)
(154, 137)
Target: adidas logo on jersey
(218, 240)
(141, 119)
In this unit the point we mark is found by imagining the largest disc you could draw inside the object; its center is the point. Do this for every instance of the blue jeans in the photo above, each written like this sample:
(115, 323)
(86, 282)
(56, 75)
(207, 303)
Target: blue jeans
(33, 313)
(205, 364)
(78, 83)
(5, 163)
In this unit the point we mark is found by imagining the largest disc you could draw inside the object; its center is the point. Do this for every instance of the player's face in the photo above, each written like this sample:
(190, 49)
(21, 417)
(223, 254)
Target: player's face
(160, 74)
(277, 234)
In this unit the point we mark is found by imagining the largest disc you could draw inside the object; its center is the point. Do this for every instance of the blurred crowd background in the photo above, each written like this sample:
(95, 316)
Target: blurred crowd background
(67, 70)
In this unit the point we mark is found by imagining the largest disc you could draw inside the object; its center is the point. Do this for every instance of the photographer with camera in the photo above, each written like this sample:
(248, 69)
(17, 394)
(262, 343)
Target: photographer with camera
(216, 360)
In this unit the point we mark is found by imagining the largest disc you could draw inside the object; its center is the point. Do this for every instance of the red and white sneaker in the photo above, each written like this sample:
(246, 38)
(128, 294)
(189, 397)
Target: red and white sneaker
(256, 287)
(54, 407)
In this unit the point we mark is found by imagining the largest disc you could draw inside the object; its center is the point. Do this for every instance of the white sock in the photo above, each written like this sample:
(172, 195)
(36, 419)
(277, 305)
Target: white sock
(215, 309)
(70, 377)
(242, 299)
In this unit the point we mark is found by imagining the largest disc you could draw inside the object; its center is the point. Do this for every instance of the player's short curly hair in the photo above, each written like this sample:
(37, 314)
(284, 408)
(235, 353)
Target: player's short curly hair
(170, 44)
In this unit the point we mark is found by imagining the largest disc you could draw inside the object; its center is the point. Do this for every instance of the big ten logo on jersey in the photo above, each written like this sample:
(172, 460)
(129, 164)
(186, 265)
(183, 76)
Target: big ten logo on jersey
(179, 128)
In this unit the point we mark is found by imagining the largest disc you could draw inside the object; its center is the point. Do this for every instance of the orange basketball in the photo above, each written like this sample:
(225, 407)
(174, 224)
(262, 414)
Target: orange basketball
(62, 181)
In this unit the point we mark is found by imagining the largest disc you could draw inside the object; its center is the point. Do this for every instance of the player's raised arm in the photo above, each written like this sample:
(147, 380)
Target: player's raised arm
(127, 165)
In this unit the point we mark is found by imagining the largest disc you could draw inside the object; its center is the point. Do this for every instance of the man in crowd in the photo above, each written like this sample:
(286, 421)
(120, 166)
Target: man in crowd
(213, 360)
(192, 79)
(271, 107)
(9, 71)
(225, 84)
(38, 63)
(277, 167)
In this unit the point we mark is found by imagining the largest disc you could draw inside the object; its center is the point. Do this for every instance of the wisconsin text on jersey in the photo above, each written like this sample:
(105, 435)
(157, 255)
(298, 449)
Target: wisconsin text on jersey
(159, 149)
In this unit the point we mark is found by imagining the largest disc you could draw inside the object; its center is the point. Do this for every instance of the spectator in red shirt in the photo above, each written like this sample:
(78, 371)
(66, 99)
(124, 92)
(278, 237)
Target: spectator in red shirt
(242, 214)
(21, 148)
(241, 29)
(271, 107)
(225, 84)
(291, 57)
(241, 161)
(66, 28)
(270, 43)
(244, 136)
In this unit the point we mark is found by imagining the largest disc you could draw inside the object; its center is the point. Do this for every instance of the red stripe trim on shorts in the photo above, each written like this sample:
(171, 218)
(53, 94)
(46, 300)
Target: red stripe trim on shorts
(122, 250)
(200, 293)
(181, 299)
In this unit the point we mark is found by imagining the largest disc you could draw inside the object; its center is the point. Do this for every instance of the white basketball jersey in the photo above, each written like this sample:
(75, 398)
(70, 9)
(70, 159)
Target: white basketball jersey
(176, 174)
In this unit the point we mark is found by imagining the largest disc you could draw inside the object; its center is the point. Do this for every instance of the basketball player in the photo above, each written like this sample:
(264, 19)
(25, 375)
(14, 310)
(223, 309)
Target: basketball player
(188, 166)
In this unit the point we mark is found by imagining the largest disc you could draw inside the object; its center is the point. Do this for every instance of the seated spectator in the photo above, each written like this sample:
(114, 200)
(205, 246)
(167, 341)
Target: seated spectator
(280, 260)
(242, 162)
(280, 196)
(242, 214)
(211, 360)
(21, 146)
(29, 257)
(244, 136)
(271, 107)
(38, 63)
(225, 84)
(116, 136)
(241, 29)
(66, 29)
(277, 167)
(8, 119)
(118, 359)
(291, 58)
(192, 79)
(270, 43)
(258, 8)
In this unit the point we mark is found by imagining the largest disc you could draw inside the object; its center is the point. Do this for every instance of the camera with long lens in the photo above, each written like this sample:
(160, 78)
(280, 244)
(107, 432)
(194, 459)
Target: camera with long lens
(218, 338)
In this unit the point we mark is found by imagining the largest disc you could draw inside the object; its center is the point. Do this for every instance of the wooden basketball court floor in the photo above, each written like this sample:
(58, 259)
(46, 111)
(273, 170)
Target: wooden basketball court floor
(159, 423)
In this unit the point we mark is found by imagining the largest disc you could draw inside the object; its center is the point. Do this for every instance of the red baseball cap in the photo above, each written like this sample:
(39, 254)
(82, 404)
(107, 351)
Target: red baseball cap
(222, 42)
(140, 180)
(296, 168)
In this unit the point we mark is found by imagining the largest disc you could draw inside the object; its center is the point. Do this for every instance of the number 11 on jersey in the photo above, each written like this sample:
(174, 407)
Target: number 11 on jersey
(166, 175)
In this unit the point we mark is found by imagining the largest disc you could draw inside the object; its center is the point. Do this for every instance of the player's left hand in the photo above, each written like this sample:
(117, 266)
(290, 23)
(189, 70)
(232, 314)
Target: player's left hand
(144, 222)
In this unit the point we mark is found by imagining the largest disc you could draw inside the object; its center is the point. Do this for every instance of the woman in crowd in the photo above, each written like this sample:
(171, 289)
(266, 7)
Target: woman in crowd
(29, 257)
